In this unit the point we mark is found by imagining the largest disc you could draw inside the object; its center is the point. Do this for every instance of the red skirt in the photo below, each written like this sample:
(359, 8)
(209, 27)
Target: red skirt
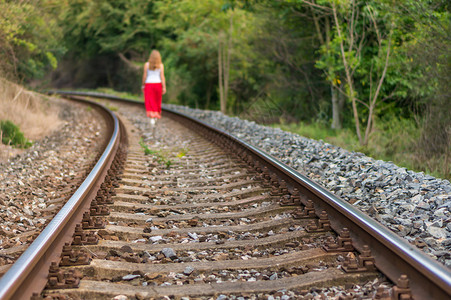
(153, 93)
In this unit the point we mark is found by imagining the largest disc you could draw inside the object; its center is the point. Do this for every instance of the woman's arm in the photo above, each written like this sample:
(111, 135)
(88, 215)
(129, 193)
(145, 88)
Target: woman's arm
(144, 74)
(163, 79)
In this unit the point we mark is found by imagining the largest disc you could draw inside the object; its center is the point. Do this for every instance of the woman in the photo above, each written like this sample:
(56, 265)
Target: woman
(154, 86)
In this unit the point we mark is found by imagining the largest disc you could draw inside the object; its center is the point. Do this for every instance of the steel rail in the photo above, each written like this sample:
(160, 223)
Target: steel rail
(394, 255)
(29, 273)
(428, 278)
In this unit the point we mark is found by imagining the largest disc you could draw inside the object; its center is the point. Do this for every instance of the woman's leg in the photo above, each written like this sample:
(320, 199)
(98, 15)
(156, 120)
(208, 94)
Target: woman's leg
(155, 100)
(147, 98)
(159, 98)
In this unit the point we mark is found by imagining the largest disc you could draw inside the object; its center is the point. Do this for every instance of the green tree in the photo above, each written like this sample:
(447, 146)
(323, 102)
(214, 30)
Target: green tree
(124, 27)
(29, 38)
(427, 44)
(201, 44)
(108, 41)
(283, 56)
(364, 51)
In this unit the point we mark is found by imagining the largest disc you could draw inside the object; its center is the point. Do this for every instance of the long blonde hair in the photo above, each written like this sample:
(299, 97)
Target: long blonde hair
(154, 60)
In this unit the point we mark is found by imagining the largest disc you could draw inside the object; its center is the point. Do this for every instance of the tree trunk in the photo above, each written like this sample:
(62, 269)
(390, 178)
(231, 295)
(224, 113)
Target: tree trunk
(208, 96)
(226, 60)
(349, 80)
(341, 105)
(224, 54)
(379, 87)
(336, 109)
(221, 89)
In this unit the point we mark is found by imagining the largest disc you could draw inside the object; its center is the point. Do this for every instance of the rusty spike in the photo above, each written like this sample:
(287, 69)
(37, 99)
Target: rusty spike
(104, 198)
(283, 187)
(312, 227)
(323, 221)
(84, 238)
(274, 179)
(98, 210)
(275, 186)
(343, 244)
(91, 238)
(382, 293)
(89, 222)
(322, 225)
(365, 262)
(350, 264)
(286, 200)
(344, 240)
(58, 279)
(309, 209)
(100, 199)
(366, 259)
(402, 291)
(307, 212)
(266, 176)
(331, 245)
(69, 257)
(295, 196)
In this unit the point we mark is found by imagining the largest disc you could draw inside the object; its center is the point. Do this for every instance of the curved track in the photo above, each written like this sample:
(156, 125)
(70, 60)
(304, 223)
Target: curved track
(223, 219)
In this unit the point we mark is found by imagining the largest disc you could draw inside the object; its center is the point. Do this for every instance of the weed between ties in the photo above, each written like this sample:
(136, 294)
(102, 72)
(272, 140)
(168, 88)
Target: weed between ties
(161, 157)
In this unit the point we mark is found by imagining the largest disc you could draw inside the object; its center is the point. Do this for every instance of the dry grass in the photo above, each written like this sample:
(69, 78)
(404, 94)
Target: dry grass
(32, 112)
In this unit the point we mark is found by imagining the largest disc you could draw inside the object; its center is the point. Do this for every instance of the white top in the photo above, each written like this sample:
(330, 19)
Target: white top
(153, 76)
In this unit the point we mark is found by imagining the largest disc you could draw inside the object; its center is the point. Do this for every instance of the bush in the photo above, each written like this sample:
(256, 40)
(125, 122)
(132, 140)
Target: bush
(11, 135)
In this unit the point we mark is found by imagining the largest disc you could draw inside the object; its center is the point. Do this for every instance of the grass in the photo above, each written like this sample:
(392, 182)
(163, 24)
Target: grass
(160, 157)
(110, 91)
(111, 107)
(342, 138)
(182, 153)
(33, 113)
(392, 140)
(116, 93)
(11, 135)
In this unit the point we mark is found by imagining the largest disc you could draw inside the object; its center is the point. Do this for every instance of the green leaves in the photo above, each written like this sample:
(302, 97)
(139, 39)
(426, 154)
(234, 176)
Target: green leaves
(109, 26)
(29, 38)
(11, 135)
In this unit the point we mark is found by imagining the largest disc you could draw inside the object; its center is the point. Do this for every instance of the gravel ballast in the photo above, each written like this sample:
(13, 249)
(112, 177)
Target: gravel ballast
(168, 241)
(414, 205)
(35, 184)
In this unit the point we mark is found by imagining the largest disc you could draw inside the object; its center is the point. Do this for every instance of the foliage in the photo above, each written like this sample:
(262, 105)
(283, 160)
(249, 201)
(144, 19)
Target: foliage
(120, 26)
(191, 49)
(284, 59)
(108, 42)
(29, 38)
(428, 48)
(330, 62)
(11, 135)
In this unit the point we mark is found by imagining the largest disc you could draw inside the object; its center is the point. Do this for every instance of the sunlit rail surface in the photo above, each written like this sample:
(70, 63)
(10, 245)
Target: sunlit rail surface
(219, 219)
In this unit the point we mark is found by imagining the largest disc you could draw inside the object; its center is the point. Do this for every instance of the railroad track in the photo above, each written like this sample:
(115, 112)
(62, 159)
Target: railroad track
(204, 215)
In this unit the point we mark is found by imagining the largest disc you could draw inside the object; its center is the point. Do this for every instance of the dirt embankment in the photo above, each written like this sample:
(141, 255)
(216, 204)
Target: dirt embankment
(32, 112)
